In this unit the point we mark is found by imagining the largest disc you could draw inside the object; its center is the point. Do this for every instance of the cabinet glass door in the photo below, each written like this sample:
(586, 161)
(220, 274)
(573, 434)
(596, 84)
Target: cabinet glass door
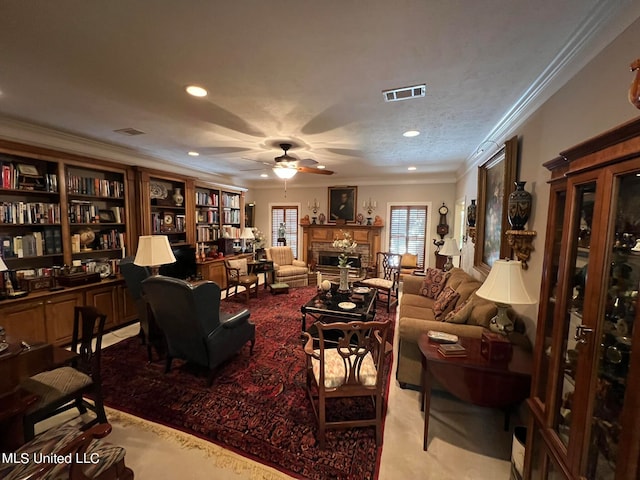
(617, 323)
(585, 197)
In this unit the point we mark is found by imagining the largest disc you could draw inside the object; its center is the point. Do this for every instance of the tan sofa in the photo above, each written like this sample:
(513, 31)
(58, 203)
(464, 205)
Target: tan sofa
(417, 317)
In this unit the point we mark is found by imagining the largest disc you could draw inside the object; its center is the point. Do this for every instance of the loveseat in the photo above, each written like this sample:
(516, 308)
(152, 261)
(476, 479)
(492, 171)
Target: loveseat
(440, 301)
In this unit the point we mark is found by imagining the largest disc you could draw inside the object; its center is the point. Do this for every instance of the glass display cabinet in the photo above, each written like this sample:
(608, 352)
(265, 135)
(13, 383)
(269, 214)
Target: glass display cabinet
(586, 387)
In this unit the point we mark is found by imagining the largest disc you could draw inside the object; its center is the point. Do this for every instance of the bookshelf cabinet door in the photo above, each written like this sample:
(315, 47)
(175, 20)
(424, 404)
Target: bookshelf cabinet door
(59, 316)
(25, 321)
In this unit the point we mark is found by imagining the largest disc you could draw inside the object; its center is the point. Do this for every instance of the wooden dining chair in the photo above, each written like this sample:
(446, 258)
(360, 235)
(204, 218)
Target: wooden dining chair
(64, 388)
(387, 279)
(239, 276)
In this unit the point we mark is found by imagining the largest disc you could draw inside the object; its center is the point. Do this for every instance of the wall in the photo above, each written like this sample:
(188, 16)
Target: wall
(384, 195)
(593, 101)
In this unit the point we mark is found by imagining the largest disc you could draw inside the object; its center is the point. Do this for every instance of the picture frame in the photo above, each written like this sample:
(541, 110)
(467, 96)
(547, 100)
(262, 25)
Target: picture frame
(496, 178)
(28, 170)
(106, 216)
(342, 204)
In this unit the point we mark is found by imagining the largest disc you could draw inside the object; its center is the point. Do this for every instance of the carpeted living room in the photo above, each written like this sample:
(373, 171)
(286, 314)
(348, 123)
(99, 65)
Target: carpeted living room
(427, 207)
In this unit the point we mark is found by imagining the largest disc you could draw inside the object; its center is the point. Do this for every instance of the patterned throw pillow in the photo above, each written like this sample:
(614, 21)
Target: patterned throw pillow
(444, 303)
(434, 281)
(461, 313)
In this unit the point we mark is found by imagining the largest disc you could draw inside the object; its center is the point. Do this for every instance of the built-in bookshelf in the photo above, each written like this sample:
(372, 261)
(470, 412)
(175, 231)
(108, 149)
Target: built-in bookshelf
(207, 216)
(231, 218)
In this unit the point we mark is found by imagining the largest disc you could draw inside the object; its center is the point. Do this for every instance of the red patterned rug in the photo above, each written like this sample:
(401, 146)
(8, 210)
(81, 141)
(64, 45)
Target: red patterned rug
(257, 405)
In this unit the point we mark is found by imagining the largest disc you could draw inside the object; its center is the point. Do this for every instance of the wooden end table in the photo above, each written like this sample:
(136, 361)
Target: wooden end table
(474, 378)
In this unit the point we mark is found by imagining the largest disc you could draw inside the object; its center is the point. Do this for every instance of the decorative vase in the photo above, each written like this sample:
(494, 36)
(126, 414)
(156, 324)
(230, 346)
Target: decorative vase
(177, 197)
(344, 279)
(519, 207)
(322, 218)
(471, 214)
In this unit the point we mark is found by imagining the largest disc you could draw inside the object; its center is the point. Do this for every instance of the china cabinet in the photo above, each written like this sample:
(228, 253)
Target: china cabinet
(585, 401)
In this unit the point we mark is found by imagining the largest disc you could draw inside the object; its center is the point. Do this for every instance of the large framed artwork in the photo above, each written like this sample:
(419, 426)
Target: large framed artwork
(342, 204)
(496, 179)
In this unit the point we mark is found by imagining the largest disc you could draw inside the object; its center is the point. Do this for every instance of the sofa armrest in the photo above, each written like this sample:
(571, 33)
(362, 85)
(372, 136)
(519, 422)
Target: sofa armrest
(412, 284)
(411, 328)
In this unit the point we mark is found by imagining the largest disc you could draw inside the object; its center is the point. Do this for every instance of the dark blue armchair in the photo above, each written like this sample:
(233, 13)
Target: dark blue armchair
(194, 327)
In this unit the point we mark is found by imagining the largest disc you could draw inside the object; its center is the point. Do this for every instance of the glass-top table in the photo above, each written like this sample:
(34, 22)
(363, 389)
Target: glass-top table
(334, 309)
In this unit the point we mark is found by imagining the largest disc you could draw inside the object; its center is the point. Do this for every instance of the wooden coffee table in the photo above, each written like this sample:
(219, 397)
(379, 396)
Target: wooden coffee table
(473, 378)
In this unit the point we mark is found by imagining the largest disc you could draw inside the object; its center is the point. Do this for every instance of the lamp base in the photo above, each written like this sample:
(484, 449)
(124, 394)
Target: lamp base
(501, 323)
(448, 264)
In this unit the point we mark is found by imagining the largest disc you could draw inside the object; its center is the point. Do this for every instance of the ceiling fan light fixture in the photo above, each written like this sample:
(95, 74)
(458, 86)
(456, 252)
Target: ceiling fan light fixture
(196, 91)
(321, 167)
(285, 172)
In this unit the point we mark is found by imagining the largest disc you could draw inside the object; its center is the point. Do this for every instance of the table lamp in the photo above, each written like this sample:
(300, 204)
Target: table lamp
(504, 286)
(247, 234)
(153, 251)
(450, 249)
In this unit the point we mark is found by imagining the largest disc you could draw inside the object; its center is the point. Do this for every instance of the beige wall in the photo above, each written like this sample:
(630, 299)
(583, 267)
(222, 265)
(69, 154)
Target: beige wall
(592, 102)
(384, 195)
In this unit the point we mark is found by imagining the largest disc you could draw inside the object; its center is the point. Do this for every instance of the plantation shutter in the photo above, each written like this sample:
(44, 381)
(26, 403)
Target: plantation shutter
(288, 216)
(408, 230)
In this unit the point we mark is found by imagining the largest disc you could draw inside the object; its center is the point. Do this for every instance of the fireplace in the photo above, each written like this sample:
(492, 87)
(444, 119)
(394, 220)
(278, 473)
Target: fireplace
(330, 259)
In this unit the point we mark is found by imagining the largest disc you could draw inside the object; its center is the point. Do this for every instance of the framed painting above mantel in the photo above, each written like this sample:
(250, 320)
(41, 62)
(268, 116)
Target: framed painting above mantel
(496, 179)
(342, 204)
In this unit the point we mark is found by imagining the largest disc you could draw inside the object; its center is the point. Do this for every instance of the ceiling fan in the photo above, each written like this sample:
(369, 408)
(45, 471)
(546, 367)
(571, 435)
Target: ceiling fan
(287, 166)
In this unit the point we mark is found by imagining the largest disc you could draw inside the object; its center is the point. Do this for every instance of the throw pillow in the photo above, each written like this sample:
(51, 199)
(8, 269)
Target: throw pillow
(482, 312)
(444, 303)
(461, 313)
(433, 283)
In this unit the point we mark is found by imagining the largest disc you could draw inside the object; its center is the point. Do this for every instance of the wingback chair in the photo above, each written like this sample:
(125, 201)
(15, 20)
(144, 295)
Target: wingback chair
(193, 325)
(133, 276)
(286, 268)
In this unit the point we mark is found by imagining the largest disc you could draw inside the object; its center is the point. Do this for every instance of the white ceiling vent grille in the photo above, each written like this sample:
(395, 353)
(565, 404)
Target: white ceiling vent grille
(404, 93)
(131, 132)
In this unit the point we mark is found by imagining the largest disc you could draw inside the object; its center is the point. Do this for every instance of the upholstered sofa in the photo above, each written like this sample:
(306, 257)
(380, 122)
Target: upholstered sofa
(423, 308)
(286, 268)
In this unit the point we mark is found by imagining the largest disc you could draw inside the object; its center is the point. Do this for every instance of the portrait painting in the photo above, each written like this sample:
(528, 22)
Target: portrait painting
(342, 204)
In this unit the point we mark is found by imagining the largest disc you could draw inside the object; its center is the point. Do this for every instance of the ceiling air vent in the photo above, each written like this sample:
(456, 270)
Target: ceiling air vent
(131, 132)
(404, 93)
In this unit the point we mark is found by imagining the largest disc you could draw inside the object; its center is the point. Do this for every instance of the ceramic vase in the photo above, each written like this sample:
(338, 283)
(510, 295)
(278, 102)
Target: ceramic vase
(471, 214)
(344, 279)
(178, 198)
(322, 218)
(519, 207)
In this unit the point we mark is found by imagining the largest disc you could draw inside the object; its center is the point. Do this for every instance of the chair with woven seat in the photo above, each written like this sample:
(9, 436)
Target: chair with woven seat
(386, 282)
(195, 328)
(63, 388)
(345, 360)
(286, 268)
(239, 276)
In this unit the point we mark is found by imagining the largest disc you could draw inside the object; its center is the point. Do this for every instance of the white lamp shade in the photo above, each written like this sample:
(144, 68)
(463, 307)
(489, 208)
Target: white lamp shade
(450, 248)
(247, 234)
(285, 172)
(153, 251)
(505, 284)
(3, 266)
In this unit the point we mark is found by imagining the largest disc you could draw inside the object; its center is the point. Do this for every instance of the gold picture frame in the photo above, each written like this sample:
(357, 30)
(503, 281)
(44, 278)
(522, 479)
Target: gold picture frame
(342, 204)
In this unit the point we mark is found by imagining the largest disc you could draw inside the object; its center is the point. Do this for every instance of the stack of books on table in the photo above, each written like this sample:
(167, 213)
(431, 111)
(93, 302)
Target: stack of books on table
(452, 350)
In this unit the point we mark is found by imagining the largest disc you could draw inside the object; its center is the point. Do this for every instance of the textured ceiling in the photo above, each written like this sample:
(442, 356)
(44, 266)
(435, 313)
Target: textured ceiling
(302, 71)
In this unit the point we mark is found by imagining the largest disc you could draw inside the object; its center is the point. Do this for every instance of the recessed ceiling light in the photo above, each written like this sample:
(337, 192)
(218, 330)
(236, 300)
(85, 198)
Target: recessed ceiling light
(411, 133)
(196, 91)
(321, 167)
(264, 175)
(194, 154)
(411, 169)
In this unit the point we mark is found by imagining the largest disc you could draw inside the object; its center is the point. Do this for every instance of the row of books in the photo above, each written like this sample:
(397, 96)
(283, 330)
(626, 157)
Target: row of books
(47, 242)
(87, 212)
(452, 350)
(21, 176)
(203, 198)
(231, 232)
(230, 200)
(207, 234)
(231, 216)
(104, 240)
(208, 216)
(29, 213)
(95, 186)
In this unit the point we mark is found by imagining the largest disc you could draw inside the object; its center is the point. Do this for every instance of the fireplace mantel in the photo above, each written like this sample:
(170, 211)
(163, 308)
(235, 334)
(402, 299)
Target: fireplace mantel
(317, 238)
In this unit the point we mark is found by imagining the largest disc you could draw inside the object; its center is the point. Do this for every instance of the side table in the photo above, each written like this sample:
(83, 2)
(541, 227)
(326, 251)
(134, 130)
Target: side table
(262, 266)
(474, 378)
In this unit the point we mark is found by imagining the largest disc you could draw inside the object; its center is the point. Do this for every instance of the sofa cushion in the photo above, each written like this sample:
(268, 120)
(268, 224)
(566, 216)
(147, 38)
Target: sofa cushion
(456, 277)
(414, 311)
(444, 303)
(465, 289)
(482, 312)
(461, 313)
(434, 282)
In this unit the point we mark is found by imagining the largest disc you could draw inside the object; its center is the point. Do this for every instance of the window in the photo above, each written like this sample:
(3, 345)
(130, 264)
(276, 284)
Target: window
(408, 230)
(289, 217)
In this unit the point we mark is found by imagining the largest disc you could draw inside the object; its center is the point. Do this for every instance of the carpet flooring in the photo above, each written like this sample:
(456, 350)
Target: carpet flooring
(257, 405)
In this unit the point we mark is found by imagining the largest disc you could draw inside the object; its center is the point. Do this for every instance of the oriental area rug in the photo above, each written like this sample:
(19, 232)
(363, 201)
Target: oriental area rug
(257, 405)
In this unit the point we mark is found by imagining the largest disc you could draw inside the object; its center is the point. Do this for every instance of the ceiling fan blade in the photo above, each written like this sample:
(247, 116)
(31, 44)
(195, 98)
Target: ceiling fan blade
(306, 162)
(314, 170)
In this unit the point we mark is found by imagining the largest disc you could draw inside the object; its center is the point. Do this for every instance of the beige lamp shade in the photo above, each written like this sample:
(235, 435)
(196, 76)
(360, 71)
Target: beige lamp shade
(153, 251)
(505, 284)
(3, 266)
(450, 248)
(247, 234)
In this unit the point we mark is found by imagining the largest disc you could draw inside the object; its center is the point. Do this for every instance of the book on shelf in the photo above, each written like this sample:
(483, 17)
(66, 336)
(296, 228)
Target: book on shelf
(452, 350)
